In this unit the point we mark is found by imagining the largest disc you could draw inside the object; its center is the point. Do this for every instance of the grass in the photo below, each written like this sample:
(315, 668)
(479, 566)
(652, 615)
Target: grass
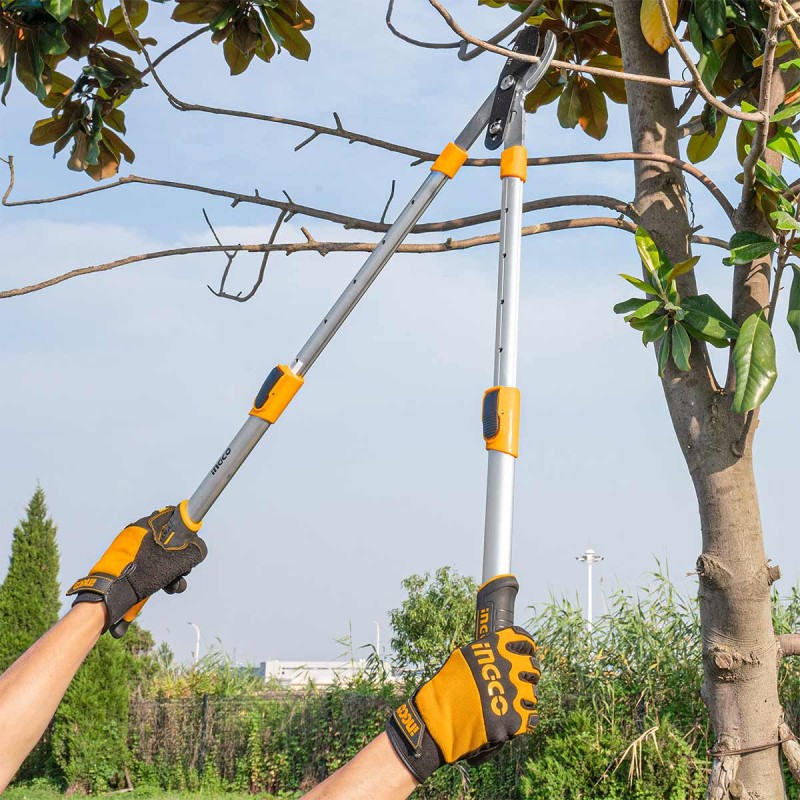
(42, 790)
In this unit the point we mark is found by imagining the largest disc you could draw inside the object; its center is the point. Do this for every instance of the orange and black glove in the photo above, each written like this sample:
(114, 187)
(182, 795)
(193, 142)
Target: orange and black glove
(156, 552)
(484, 695)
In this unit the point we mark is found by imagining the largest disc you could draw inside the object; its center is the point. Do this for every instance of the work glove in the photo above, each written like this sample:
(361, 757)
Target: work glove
(484, 695)
(155, 552)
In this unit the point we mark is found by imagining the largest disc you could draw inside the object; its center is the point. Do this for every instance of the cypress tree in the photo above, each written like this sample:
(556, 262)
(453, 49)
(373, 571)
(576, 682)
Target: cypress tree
(29, 596)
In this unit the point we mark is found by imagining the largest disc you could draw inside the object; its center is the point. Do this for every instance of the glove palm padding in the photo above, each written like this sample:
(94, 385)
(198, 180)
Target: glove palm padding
(484, 695)
(153, 553)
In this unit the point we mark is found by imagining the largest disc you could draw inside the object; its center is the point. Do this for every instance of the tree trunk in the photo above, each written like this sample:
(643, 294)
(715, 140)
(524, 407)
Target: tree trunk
(739, 646)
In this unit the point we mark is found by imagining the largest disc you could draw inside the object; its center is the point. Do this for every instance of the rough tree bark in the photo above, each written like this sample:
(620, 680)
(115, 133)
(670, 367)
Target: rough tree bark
(739, 646)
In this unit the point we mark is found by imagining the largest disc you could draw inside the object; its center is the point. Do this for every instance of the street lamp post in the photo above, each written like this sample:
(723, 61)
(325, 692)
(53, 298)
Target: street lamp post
(589, 557)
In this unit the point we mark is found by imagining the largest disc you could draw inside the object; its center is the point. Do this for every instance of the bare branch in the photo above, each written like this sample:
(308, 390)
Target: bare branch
(312, 245)
(416, 42)
(764, 97)
(352, 222)
(238, 296)
(789, 645)
(697, 81)
(568, 65)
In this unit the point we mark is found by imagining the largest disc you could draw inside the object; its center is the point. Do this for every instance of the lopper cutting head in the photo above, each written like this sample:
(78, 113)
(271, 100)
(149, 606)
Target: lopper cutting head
(516, 80)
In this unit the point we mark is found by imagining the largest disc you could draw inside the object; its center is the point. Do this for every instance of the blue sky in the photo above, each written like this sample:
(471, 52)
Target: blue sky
(120, 389)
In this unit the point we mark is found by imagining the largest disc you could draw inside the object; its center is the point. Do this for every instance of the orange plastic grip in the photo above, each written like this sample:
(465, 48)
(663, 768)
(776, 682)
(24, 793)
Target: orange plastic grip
(501, 419)
(450, 160)
(514, 163)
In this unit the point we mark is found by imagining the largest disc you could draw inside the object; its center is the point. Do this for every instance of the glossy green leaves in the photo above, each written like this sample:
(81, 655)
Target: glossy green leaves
(666, 319)
(747, 246)
(754, 362)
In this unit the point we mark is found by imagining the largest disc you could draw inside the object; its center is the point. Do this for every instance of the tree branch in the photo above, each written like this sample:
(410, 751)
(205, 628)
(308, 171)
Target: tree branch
(541, 161)
(789, 645)
(323, 248)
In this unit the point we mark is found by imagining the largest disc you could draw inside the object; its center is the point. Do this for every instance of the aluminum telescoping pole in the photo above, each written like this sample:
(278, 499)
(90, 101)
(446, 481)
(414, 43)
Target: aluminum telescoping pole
(284, 382)
(501, 403)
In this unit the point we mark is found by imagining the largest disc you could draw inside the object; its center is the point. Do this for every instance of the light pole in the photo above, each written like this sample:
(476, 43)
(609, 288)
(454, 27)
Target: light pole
(196, 642)
(589, 558)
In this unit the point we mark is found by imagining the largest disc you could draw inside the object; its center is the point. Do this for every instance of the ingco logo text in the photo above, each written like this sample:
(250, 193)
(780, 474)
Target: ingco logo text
(407, 720)
(86, 583)
(491, 676)
(483, 622)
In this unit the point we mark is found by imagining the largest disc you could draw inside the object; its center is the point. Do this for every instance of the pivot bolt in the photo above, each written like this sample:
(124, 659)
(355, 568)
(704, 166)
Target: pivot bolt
(495, 127)
(507, 82)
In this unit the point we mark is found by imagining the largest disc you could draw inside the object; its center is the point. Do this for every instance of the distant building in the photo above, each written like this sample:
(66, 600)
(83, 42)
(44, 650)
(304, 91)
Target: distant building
(298, 674)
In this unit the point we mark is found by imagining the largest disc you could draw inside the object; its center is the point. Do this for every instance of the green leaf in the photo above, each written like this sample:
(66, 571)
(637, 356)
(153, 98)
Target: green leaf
(746, 246)
(700, 336)
(646, 310)
(649, 252)
(663, 356)
(780, 50)
(593, 117)
(639, 284)
(785, 113)
(710, 17)
(703, 144)
(569, 105)
(58, 9)
(708, 318)
(682, 268)
(770, 177)
(754, 363)
(784, 221)
(626, 306)
(785, 143)
(793, 315)
(709, 66)
(793, 63)
(654, 329)
(237, 60)
(681, 347)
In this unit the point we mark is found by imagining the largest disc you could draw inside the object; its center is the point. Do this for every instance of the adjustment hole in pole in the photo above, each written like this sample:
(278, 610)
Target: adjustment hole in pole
(354, 280)
(325, 322)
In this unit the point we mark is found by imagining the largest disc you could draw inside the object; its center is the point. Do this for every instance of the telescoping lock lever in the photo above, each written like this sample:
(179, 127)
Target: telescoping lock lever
(284, 381)
(501, 402)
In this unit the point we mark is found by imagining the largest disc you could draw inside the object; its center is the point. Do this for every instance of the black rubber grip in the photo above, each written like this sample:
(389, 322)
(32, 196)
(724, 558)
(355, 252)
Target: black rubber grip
(268, 386)
(491, 419)
(120, 629)
(496, 600)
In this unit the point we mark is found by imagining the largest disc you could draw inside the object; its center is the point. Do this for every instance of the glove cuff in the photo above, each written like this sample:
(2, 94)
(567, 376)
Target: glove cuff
(412, 742)
(117, 594)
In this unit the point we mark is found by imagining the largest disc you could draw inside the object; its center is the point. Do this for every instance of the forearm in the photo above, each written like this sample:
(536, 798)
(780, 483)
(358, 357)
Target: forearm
(32, 687)
(376, 773)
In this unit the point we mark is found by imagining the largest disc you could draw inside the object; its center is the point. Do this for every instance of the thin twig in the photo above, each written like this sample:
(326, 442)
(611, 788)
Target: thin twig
(388, 203)
(238, 297)
(450, 245)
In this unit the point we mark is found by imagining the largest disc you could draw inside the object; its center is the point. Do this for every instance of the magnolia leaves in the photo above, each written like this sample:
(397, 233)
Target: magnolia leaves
(249, 29)
(585, 35)
(672, 322)
(37, 35)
